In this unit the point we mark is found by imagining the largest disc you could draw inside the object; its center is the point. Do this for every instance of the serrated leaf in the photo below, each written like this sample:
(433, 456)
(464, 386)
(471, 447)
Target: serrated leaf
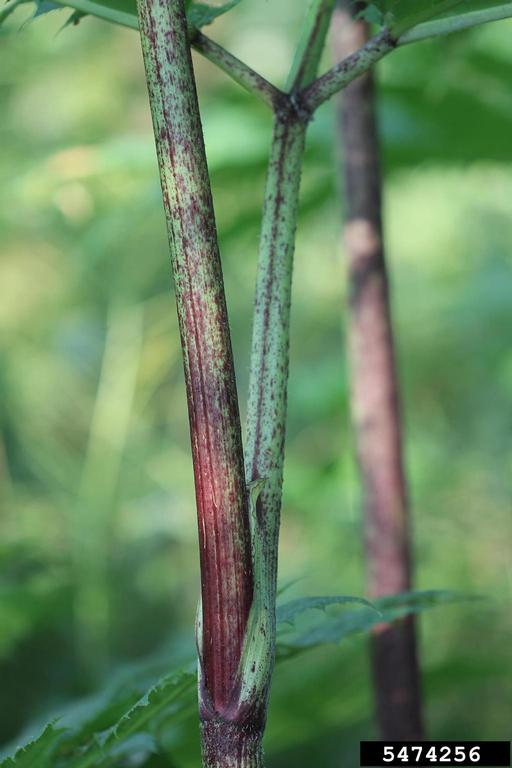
(286, 585)
(201, 14)
(400, 15)
(473, 13)
(329, 629)
(396, 606)
(45, 6)
(8, 8)
(372, 14)
(167, 700)
(38, 752)
(73, 19)
(172, 699)
(121, 12)
(288, 612)
(403, 15)
(468, 6)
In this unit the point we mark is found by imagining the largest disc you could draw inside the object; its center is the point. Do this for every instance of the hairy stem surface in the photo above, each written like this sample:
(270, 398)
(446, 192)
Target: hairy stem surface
(375, 395)
(240, 72)
(268, 384)
(231, 745)
(349, 68)
(266, 418)
(224, 532)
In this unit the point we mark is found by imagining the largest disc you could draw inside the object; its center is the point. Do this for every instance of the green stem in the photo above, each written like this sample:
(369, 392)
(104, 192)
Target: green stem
(311, 45)
(10, 7)
(339, 76)
(342, 74)
(238, 71)
(455, 23)
(222, 503)
(266, 417)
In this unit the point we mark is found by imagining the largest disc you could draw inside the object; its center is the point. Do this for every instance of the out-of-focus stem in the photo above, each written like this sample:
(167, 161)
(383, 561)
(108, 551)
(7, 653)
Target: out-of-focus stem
(375, 394)
(224, 532)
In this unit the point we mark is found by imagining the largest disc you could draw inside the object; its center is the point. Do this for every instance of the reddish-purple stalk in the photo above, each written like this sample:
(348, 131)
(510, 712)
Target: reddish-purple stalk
(222, 506)
(375, 395)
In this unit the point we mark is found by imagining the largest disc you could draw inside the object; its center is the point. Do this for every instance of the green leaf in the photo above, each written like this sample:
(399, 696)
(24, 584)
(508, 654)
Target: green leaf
(117, 724)
(121, 12)
(372, 14)
(332, 629)
(288, 612)
(397, 606)
(163, 701)
(284, 586)
(403, 15)
(475, 13)
(74, 19)
(400, 15)
(201, 14)
(81, 746)
(45, 6)
(38, 752)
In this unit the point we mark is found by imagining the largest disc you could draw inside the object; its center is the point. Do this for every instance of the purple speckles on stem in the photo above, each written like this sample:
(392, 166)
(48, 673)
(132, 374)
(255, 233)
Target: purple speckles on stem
(225, 553)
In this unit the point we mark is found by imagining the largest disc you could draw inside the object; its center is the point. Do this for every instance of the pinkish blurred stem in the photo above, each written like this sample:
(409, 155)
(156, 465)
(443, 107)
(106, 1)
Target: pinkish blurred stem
(375, 395)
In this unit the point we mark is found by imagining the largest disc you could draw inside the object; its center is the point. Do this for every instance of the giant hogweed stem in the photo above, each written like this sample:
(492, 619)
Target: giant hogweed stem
(222, 505)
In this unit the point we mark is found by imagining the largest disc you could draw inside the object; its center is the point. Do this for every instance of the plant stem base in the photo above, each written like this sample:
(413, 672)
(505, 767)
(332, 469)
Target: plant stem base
(231, 745)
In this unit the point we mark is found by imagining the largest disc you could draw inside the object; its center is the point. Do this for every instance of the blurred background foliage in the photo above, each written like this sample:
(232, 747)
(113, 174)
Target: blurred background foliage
(98, 562)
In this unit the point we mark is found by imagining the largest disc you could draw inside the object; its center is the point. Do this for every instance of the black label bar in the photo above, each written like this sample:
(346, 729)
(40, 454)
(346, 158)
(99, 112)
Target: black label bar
(446, 754)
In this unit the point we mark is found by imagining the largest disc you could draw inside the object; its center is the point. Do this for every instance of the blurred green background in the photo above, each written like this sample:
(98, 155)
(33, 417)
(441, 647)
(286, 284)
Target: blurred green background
(98, 562)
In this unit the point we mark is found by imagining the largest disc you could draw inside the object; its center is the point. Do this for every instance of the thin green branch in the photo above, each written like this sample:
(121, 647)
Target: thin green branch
(268, 383)
(266, 416)
(10, 7)
(419, 13)
(339, 76)
(215, 53)
(311, 45)
(238, 71)
(104, 12)
(343, 73)
(451, 24)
